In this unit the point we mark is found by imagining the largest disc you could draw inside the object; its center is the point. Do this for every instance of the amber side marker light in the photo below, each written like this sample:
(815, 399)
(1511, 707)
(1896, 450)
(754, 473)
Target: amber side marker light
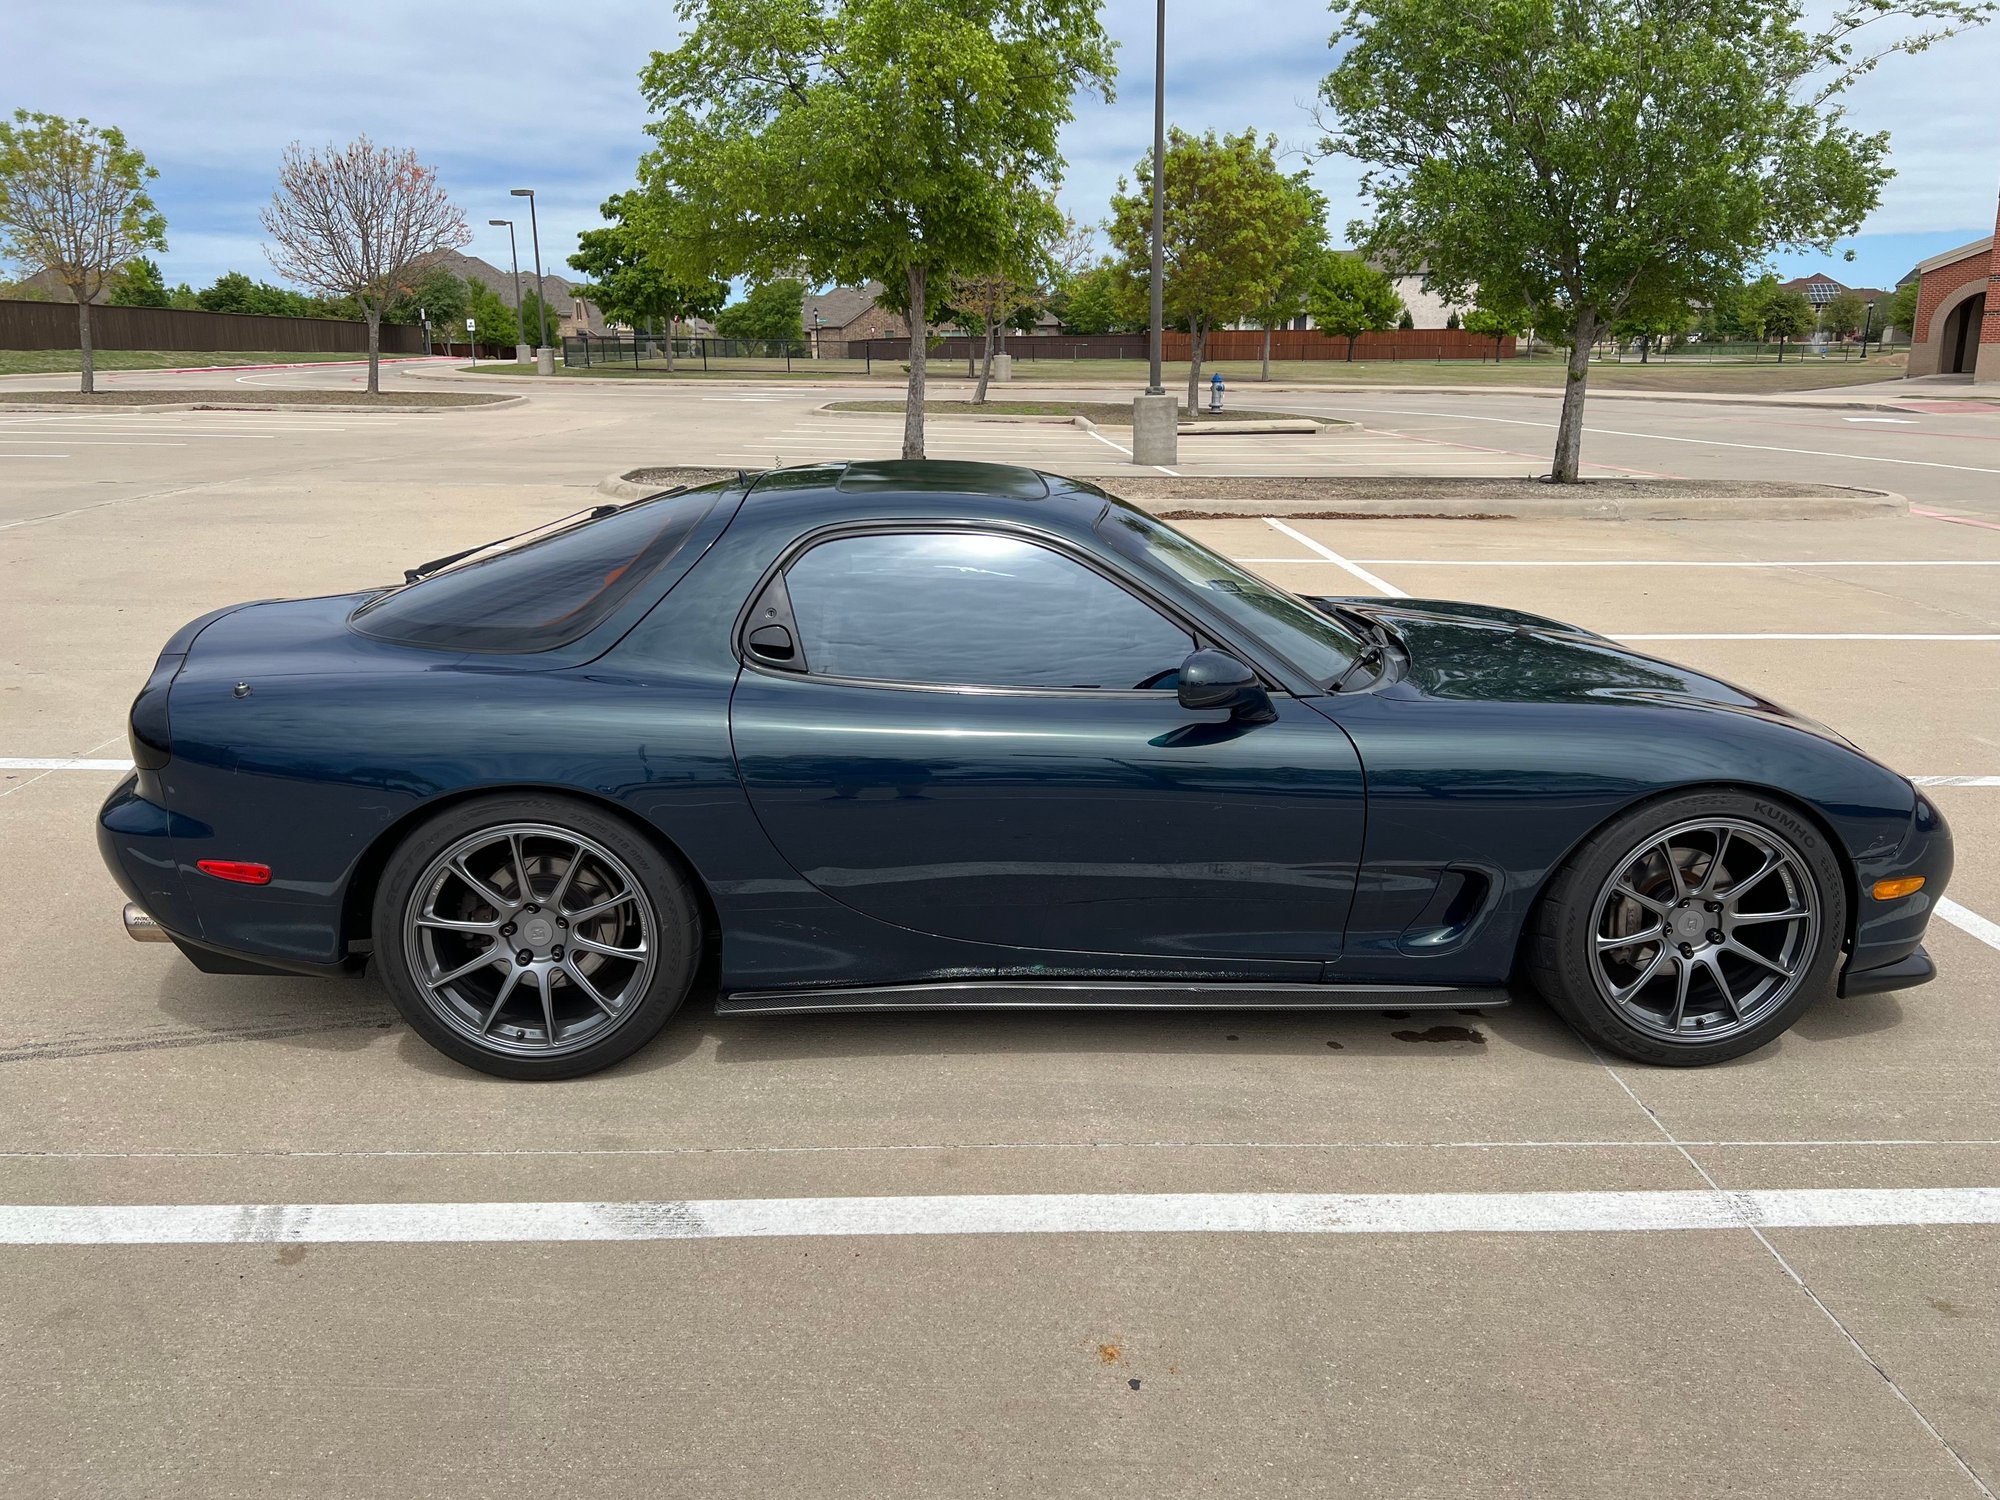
(244, 873)
(1906, 885)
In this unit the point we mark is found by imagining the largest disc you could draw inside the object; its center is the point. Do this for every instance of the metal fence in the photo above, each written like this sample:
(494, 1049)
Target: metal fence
(52, 325)
(1737, 352)
(657, 352)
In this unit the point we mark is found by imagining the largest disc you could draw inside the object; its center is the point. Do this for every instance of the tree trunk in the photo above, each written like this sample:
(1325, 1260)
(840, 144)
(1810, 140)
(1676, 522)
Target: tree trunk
(83, 342)
(1350, 346)
(1267, 351)
(913, 398)
(1645, 348)
(670, 343)
(1569, 431)
(374, 315)
(985, 368)
(1197, 340)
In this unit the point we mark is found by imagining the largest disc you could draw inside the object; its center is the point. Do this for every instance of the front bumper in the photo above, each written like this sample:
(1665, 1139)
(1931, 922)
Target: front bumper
(1903, 974)
(1887, 951)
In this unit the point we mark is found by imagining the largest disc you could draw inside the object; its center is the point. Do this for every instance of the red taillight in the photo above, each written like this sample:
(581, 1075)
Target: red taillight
(240, 871)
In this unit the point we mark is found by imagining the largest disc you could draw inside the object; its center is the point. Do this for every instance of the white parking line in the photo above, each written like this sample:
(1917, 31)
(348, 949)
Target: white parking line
(1987, 931)
(966, 1214)
(1796, 635)
(1660, 437)
(1956, 780)
(62, 763)
(1511, 562)
(1378, 584)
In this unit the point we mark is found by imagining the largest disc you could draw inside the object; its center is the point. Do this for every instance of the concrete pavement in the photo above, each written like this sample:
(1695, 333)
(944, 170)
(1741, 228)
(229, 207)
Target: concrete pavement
(1775, 1362)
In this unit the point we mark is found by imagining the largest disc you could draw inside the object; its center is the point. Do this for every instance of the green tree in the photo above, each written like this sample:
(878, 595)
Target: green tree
(1286, 295)
(1785, 316)
(139, 284)
(1351, 298)
(435, 295)
(1092, 302)
(1652, 320)
(1405, 322)
(771, 310)
(1232, 219)
(630, 281)
(1561, 156)
(1496, 324)
(1900, 311)
(73, 204)
(1842, 316)
(494, 320)
(843, 140)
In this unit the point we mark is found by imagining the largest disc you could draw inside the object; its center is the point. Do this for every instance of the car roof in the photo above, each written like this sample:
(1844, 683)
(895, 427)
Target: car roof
(999, 489)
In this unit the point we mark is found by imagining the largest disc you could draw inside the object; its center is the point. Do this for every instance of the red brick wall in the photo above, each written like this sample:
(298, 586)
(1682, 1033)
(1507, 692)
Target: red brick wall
(1941, 285)
(1987, 367)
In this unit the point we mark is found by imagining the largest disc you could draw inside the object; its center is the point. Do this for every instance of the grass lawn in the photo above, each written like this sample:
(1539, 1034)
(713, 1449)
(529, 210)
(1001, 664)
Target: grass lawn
(1103, 413)
(1241, 376)
(64, 361)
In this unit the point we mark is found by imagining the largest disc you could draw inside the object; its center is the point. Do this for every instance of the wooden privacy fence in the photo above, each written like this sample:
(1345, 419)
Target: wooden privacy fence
(52, 325)
(1224, 344)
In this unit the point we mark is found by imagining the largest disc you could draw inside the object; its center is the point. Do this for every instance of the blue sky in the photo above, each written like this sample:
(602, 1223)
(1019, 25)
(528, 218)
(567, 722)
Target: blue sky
(212, 92)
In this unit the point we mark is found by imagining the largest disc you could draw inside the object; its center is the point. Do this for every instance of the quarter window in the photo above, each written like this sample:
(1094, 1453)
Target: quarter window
(971, 609)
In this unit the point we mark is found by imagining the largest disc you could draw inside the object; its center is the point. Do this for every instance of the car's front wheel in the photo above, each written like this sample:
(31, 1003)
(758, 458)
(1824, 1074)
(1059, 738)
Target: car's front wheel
(1694, 929)
(534, 936)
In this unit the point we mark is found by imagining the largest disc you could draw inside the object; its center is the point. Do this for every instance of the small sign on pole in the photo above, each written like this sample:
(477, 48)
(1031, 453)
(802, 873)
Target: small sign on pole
(469, 344)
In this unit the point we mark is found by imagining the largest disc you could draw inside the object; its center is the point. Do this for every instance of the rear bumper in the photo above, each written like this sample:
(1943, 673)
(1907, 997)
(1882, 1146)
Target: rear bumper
(1903, 974)
(137, 839)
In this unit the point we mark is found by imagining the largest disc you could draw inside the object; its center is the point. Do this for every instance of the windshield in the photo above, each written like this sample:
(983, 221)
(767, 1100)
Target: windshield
(1318, 646)
(545, 592)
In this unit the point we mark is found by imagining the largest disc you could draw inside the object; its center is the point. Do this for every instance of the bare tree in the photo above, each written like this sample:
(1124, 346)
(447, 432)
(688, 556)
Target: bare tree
(73, 204)
(359, 221)
(1061, 249)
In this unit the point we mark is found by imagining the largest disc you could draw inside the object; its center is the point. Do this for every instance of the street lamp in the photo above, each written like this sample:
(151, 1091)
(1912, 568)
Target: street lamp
(1156, 415)
(1867, 322)
(1155, 388)
(541, 298)
(520, 328)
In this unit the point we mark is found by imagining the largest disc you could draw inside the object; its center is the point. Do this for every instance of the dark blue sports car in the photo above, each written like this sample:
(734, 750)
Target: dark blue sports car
(890, 735)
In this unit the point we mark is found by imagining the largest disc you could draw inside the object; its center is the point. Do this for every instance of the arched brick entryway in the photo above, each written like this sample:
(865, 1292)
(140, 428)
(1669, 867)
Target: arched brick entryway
(1958, 334)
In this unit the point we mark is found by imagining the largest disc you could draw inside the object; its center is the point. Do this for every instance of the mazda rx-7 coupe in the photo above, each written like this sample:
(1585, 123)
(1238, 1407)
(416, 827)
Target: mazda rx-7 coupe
(877, 736)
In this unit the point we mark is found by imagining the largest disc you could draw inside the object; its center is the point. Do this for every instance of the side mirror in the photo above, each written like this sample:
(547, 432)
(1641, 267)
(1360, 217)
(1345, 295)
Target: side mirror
(1215, 679)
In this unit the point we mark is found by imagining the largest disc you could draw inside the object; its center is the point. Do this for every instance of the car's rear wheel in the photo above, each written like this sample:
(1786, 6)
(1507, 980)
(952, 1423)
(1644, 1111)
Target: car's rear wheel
(534, 936)
(1694, 929)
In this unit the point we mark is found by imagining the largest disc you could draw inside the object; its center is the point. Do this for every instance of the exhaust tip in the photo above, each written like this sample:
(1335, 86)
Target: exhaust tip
(140, 926)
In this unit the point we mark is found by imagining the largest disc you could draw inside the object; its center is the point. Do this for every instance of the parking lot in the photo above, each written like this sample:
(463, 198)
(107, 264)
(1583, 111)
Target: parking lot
(1454, 1352)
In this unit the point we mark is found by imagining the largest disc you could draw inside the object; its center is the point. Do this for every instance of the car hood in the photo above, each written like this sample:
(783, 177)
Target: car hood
(1485, 653)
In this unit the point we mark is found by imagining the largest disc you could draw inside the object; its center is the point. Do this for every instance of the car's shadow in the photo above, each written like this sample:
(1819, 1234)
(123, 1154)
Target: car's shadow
(349, 1013)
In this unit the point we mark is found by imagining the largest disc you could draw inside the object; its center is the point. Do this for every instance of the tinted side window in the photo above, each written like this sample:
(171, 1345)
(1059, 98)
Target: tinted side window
(542, 593)
(971, 610)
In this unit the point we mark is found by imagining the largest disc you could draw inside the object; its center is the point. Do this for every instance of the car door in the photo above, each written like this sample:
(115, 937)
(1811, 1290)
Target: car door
(977, 735)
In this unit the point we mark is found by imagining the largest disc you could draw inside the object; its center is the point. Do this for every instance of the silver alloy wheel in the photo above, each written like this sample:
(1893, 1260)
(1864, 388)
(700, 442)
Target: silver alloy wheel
(1707, 928)
(530, 939)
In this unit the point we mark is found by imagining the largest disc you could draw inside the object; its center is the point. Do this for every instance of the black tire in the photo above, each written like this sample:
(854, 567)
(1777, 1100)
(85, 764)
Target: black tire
(1560, 954)
(660, 906)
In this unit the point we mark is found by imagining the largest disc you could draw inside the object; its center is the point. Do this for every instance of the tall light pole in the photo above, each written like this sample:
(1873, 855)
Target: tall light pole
(1155, 388)
(541, 298)
(514, 249)
(1156, 415)
(1867, 323)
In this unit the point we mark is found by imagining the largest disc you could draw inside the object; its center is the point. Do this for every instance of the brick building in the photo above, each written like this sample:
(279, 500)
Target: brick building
(1958, 313)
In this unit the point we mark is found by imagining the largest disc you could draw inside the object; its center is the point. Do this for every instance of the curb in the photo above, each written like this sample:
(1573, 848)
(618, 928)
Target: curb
(72, 407)
(1850, 504)
(1854, 505)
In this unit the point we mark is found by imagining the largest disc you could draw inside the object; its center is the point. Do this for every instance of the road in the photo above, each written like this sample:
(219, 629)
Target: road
(1468, 1336)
